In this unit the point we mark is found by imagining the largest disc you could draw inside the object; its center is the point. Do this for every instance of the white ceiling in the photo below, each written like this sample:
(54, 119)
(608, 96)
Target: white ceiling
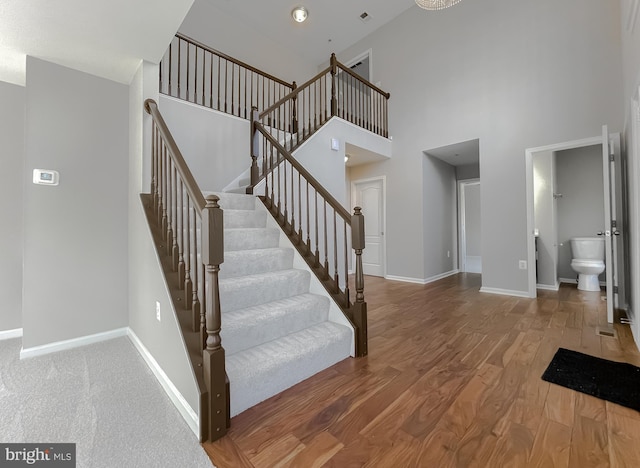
(104, 38)
(109, 38)
(332, 25)
(458, 154)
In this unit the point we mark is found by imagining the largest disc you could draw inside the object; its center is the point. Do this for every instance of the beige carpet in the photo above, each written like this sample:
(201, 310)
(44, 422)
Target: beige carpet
(101, 397)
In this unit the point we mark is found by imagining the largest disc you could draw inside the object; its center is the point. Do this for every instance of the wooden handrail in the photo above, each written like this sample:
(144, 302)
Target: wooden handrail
(297, 90)
(233, 60)
(344, 214)
(191, 228)
(187, 177)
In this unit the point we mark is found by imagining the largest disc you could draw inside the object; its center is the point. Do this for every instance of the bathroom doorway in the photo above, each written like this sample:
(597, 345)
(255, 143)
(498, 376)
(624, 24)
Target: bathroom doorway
(574, 190)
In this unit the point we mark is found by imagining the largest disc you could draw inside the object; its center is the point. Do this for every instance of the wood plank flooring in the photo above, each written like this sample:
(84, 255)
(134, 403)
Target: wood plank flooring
(452, 380)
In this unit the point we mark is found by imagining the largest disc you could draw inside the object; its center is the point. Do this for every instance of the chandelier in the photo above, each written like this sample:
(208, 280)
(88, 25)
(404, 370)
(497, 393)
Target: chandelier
(436, 4)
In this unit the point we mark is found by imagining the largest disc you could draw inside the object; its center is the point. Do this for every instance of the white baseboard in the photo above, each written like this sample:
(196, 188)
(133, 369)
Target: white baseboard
(8, 334)
(548, 287)
(568, 280)
(72, 343)
(406, 279)
(188, 414)
(441, 276)
(504, 292)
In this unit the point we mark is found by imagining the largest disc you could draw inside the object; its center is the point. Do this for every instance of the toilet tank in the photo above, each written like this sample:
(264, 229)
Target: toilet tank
(587, 248)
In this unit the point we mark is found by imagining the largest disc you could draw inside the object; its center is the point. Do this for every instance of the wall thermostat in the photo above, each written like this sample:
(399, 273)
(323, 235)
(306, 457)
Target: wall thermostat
(45, 177)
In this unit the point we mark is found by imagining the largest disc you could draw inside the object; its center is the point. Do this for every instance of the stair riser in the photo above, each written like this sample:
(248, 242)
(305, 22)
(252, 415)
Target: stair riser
(248, 239)
(254, 262)
(246, 328)
(238, 293)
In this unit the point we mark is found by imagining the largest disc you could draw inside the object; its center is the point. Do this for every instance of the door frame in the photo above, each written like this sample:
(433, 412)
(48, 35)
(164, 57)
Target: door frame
(462, 231)
(529, 152)
(383, 180)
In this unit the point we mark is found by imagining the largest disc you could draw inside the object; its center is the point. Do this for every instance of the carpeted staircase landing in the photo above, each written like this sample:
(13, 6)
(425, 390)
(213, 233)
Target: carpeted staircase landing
(274, 331)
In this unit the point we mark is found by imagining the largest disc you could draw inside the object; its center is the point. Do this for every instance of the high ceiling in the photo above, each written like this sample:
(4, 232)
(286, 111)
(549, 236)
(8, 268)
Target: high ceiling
(332, 25)
(109, 39)
(103, 38)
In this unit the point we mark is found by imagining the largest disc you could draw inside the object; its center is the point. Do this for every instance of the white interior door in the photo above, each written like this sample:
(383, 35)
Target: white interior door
(369, 195)
(609, 209)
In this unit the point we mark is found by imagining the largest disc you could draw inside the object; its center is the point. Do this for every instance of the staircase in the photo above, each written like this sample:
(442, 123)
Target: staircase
(275, 332)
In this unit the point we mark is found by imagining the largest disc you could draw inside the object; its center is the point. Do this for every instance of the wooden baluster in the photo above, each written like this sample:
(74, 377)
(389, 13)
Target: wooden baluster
(335, 251)
(179, 65)
(359, 310)
(300, 206)
(188, 291)
(211, 81)
(334, 71)
(218, 85)
(308, 220)
(213, 354)
(326, 248)
(255, 149)
(188, 71)
(195, 299)
(154, 164)
(181, 242)
(164, 223)
(294, 111)
(204, 69)
(347, 302)
(175, 250)
(315, 209)
(170, 67)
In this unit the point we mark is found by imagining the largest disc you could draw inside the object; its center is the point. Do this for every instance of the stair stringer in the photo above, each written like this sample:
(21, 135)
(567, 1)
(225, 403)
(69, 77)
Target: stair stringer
(315, 286)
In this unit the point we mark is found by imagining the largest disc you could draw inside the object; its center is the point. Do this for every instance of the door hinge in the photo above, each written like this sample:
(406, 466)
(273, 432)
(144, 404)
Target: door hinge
(614, 223)
(615, 290)
(611, 158)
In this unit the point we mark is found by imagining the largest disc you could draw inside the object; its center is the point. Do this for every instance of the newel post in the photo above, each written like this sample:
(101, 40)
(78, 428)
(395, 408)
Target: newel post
(334, 72)
(213, 354)
(360, 307)
(255, 149)
(294, 110)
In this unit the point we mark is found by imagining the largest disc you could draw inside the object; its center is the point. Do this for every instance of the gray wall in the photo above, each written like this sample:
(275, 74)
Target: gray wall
(468, 171)
(12, 112)
(516, 75)
(440, 230)
(581, 208)
(75, 234)
(472, 211)
(236, 38)
(215, 145)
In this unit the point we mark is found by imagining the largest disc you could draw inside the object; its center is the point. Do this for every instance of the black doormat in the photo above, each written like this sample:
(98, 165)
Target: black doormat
(617, 382)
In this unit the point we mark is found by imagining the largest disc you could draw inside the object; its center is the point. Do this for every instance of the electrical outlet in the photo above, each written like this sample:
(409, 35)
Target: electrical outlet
(448, 253)
(522, 264)
(158, 311)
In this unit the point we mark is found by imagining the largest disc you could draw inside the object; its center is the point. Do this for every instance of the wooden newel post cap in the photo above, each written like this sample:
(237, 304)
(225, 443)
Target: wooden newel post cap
(212, 232)
(357, 229)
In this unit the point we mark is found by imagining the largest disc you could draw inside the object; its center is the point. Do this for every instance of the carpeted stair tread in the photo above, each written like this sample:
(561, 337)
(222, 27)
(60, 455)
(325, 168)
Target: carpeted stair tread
(256, 261)
(266, 370)
(244, 219)
(252, 326)
(246, 291)
(250, 238)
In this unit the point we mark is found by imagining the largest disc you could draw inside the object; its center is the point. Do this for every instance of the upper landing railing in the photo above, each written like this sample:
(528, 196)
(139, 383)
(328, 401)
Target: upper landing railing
(196, 73)
(199, 74)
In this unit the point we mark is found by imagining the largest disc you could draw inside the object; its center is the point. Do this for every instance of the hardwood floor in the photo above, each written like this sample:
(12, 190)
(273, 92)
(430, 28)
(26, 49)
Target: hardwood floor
(452, 379)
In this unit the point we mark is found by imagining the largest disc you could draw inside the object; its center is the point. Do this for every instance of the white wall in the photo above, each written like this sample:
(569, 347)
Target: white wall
(514, 74)
(215, 28)
(75, 234)
(12, 113)
(215, 145)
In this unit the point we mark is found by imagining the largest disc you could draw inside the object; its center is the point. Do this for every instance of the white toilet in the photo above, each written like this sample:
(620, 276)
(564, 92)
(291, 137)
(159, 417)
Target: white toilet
(588, 261)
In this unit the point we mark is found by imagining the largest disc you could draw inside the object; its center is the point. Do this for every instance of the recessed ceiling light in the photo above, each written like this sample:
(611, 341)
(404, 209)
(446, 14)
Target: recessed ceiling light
(299, 14)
